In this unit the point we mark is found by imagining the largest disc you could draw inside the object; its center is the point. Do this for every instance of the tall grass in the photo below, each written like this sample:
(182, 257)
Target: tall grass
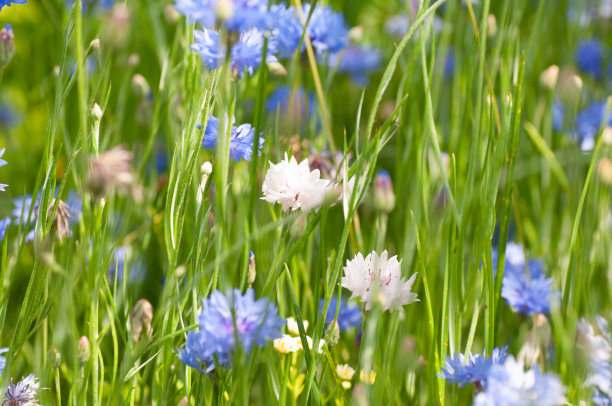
(473, 158)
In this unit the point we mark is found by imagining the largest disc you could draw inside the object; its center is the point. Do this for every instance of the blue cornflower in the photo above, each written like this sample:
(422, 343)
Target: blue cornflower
(357, 61)
(287, 31)
(558, 115)
(23, 205)
(398, 25)
(245, 14)
(301, 104)
(207, 44)
(245, 53)
(327, 30)
(2, 359)
(589, 57)
(241, 139)
(349, 314)
(23, 393)
(225, 318)
(2, 163)
(471, 369)
(526, 294)
(508, 384)
(8, 115)
(449, 64)
(589, 122)
(119, 266)
(9, 2)
(598, 348)
(21, 213)
(4, 223)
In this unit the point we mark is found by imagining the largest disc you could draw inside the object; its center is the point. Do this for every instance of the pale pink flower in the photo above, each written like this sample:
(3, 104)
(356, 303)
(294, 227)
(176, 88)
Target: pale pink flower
(294, 186)
(378, 277)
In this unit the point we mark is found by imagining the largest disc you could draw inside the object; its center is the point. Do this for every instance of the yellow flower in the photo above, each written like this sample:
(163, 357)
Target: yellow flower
(367, 378)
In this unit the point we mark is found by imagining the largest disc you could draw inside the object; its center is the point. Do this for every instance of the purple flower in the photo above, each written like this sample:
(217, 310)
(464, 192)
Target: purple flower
(9, 2)
(23, 393)
(471, 369)
(349, 314)
(241, 139)
(357, 61)
(225, 318)
(589, 57)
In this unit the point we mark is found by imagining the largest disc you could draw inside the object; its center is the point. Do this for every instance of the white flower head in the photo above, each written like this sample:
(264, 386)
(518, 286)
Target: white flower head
(292, 326)
(294, 186)
(378, 277)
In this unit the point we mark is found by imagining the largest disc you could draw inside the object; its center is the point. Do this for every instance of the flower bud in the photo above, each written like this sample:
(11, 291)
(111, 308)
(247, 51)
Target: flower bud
(140, 319)
(55, 358)
(251, 273)
(356, 33)
(606, 136)
(7, 45)
(604, 170)
(205, 170)
(224, 9)
(117, 28)
(277, 68)
(95, 44)
(171, 15)
(184, 402)
(549, 77)
(570, 89)
(384, 197)
(332, 334)
(140, 86)
(491, 25)
(134, 60)
(96, 112)
(84, 349)
(297, 228)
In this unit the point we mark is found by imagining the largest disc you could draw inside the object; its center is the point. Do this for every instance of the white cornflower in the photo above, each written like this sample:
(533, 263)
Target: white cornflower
(294, 186)
(378, 276)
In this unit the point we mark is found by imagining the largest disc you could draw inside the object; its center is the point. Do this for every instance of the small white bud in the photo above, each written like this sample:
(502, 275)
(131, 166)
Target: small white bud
(549, 77)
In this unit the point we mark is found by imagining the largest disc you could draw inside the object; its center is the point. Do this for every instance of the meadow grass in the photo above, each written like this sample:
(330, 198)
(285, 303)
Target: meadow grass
(472, 153)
